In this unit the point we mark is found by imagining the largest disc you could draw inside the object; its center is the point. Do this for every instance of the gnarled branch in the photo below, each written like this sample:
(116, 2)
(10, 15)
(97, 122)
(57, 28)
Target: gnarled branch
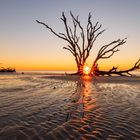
(108, 50)
(51, 30)
(92, 35)
(115, 71)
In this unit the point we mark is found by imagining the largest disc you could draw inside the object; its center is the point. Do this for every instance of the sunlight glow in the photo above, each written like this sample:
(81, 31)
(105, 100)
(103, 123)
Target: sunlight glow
(86, 70)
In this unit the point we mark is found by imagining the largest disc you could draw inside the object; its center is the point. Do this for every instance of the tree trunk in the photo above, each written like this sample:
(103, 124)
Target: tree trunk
(80, 69)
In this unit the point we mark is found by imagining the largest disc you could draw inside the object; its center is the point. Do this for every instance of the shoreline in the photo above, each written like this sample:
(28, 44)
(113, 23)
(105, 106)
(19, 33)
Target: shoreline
(53, 72)
(69, 77)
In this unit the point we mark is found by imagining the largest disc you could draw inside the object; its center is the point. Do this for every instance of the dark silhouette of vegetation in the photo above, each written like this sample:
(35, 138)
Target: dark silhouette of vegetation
(81, 42)
(2, 69)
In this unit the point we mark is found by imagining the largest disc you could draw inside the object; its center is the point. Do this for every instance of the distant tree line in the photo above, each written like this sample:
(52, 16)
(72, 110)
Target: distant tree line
(2, 69)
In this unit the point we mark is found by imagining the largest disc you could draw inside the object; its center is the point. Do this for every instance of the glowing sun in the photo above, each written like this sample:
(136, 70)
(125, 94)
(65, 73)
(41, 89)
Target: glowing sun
(86, 70)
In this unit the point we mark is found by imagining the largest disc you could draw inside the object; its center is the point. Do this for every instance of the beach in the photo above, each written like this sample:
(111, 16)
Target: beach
(63, 107)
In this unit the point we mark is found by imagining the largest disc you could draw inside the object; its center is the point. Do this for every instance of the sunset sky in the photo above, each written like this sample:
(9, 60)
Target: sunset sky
(26, 45)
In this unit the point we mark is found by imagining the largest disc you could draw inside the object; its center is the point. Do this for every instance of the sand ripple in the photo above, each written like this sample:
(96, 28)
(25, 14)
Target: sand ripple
(56, 109)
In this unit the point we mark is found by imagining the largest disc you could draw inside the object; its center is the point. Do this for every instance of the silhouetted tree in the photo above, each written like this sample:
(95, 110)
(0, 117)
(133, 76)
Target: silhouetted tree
(79, 50)
(80, 44)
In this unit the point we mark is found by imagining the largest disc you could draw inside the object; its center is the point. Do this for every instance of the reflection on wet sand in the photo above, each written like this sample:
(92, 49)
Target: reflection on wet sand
(80, 109)
(99, 116)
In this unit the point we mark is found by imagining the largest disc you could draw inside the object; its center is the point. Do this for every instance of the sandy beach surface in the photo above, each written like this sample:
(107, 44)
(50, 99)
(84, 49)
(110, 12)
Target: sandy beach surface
(41, 107)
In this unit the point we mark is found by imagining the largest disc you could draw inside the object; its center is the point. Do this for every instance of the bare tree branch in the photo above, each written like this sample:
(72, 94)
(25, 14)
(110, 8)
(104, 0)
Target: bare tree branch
(51, 30)
(92, 35)
(115, 71)
(66, 48)
(108, 50)
(75, 20)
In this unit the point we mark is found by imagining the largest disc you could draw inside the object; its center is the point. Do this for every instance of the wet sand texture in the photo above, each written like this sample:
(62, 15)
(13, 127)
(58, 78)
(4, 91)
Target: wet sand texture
(41, 108)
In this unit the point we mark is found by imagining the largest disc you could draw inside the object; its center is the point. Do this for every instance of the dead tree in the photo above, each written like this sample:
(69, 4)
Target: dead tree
(79, 43)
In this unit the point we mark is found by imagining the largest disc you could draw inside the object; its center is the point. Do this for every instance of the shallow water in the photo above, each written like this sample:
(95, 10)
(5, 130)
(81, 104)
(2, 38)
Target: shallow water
(36, 107)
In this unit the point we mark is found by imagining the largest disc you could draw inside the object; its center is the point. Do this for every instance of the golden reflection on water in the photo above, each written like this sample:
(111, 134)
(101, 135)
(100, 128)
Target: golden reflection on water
(87, 77)
(88, 94)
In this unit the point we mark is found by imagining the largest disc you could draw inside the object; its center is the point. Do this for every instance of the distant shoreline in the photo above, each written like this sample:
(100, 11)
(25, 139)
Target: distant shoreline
(136, 74)
(68, 77)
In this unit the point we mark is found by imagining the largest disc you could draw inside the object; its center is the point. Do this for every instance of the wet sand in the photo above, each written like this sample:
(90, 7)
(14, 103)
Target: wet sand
(69, 108)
